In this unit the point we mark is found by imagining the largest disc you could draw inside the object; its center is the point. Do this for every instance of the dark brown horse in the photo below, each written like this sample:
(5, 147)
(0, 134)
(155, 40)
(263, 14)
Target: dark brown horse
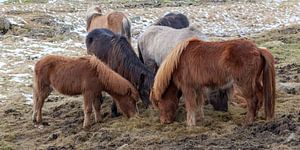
(116, 52)
(84, 75)
(176, 21)
(196, 64)
(115, 21)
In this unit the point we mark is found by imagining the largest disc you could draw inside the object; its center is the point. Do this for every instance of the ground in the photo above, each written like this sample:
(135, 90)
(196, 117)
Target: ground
(37, 29)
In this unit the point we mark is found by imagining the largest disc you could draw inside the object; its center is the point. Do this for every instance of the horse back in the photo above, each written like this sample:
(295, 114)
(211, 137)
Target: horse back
(216, 63)
(67, 75)
(115, 21)
(158, 41)
(96, 21)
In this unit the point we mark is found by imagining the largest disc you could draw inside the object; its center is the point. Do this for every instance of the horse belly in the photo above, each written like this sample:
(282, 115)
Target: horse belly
(67, 85)
(68, 88)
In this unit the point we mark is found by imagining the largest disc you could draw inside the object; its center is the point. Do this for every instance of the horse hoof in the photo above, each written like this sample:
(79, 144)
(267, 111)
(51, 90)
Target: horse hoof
(98, 120)
(39, 126)
(114, 115)
(87, 127)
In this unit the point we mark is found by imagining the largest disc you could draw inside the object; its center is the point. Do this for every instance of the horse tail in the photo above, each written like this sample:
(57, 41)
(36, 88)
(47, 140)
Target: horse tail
(88, 22)
(268, 82)
(126, 30)
(166, 69)
(112, 81)
(140, 53)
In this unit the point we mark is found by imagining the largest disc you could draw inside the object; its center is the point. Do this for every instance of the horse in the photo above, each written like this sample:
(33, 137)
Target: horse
(118, 54)
(176, 21)
(158, 41)
(115, 21)
(85, 75)
(195, 64)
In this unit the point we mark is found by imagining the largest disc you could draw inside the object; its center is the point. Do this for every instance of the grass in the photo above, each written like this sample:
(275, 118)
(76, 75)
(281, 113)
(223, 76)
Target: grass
(284, 43)
(5, 146)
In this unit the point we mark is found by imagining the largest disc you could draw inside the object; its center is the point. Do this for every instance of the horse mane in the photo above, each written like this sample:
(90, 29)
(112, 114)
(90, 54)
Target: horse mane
(131, 66)
(166, 69)
(112, 80)
(91, 13)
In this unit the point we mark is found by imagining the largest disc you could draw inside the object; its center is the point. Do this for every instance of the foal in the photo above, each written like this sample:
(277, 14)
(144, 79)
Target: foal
(84, 75)
(195, 64)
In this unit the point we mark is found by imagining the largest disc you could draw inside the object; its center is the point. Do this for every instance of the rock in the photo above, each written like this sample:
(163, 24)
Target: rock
(5, 25)
(289, 87)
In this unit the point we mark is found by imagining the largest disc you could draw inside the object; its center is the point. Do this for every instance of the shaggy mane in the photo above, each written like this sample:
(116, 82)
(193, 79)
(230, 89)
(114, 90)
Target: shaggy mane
(111, 79)
(165, 71)
(133, 68)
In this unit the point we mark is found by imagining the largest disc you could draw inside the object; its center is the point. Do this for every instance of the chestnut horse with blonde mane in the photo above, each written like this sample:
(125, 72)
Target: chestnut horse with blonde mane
(84, 75)
(195, 64)
(115, 21)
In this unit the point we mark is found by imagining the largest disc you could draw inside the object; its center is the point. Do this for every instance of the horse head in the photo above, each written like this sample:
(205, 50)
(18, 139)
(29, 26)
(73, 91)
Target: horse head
(127, 104)
(144, 87)
(167, 104)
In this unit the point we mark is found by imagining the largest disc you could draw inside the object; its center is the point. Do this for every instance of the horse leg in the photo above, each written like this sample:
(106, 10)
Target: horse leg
(259, 95)
(190, 105)
(252, 103)
(114, 110)
(40, 94)
(151, 64)
(200, 102)
(97, 108)
(87, 109)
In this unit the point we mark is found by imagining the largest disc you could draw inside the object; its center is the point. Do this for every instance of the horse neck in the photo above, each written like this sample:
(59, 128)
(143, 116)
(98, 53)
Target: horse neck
(132, 67)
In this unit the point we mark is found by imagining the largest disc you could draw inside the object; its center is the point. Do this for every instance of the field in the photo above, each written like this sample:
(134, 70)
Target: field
(39, 28)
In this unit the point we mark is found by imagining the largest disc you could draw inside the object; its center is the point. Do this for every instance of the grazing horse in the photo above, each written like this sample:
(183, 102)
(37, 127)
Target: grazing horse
(158, 41)
(117, 53)
(176, 21)
(195, 64)
(84, 75)
(115, 21)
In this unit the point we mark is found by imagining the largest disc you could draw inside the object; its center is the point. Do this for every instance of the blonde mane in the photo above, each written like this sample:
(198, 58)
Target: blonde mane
(165, 71)
(111, 80)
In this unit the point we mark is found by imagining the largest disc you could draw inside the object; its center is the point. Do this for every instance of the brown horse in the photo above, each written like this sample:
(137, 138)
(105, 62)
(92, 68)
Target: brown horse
(115, 21)
(195, 64)
(84, 75)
